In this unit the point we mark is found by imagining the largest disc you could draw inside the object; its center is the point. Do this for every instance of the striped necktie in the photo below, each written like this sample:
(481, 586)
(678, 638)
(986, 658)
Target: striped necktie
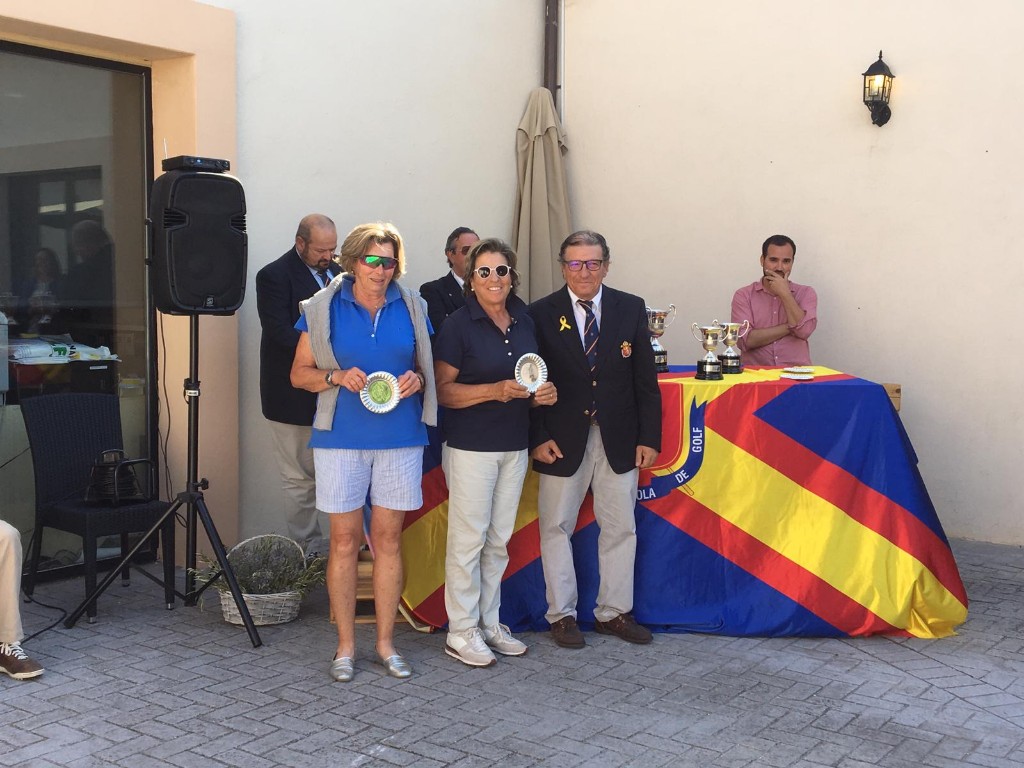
(324, 276)
(590, 337)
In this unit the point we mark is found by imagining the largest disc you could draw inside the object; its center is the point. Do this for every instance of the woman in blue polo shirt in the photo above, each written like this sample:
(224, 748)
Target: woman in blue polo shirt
(364, 328)
(486, 430)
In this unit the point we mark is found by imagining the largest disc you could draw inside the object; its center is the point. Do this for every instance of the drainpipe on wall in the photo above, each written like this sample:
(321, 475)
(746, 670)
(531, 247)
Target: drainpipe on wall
(552, 22)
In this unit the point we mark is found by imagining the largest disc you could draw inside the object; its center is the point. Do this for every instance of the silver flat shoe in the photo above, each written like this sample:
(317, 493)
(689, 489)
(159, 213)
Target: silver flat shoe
(343, 669)
(396, 666)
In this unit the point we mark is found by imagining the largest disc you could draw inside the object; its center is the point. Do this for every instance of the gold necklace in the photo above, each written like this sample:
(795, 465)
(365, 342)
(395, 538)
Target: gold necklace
(370, 307)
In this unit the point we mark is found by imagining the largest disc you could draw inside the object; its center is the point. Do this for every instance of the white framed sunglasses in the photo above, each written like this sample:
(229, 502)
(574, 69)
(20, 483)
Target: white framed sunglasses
(502, 270)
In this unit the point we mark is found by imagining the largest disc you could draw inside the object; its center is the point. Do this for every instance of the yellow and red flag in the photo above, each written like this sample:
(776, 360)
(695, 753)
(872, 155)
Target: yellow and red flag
(776, 507)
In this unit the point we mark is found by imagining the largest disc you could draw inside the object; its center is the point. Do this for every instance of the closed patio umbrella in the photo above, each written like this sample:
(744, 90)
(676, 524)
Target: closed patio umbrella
(542, 203)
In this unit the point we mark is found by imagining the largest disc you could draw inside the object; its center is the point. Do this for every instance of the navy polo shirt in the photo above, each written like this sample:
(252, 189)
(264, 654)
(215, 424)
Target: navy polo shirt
(470, 342)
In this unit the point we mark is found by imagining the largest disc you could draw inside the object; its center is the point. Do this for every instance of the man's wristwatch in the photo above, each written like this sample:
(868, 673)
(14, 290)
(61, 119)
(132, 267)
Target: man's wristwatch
(328, 378)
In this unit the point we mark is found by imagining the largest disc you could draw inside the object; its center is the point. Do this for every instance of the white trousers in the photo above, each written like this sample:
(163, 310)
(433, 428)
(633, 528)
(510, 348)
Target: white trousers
(483, 500)
(558, 505)
(10, 584)
(298, 479)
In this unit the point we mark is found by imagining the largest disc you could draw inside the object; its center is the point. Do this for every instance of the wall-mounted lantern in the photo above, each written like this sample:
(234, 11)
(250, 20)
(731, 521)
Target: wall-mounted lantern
(877, 86)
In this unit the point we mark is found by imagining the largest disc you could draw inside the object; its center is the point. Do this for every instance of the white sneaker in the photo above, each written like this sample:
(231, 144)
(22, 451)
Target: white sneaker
(469, 648)
(501, 641)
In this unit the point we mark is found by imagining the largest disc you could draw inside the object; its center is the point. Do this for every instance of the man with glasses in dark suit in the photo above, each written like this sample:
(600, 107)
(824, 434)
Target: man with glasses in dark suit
(605, 428)
(444, 295)
(280, 286)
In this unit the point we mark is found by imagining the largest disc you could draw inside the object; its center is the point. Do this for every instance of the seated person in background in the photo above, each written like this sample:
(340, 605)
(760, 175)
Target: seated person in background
(13, 661)
(445, 295)
(782, 314)
(37, 295)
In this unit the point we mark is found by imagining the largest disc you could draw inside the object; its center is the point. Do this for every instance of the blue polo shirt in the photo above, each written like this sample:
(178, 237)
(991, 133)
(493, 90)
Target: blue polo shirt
(483, 354)
(389, 346)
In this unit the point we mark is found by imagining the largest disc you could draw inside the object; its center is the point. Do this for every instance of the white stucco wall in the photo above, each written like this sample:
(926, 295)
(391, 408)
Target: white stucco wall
(698, 129)
(395, 110)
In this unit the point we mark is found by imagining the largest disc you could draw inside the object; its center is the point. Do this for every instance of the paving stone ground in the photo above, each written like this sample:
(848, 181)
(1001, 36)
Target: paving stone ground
(144, 686)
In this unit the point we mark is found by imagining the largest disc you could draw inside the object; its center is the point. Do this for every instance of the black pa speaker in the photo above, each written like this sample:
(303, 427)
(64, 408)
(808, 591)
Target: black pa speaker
(199, 247)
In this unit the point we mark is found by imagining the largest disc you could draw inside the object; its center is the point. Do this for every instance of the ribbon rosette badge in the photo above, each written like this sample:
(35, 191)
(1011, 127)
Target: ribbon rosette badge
(627, 349)
(563, 324)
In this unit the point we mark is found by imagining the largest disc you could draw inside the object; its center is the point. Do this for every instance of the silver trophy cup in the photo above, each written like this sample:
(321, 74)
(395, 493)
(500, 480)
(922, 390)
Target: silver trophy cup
(709, 367)
(731, 362)
(657, 321)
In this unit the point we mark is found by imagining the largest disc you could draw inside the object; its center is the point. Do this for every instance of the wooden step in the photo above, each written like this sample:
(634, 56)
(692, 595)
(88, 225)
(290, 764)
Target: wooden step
(364, 580)
(364, 591)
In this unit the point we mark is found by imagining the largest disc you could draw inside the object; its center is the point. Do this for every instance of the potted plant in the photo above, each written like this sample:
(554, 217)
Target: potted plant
(273, 574)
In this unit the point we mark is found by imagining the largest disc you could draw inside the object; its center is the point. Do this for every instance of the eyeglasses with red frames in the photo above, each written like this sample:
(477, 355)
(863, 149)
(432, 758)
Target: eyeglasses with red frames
(373, 261)
(502, 270)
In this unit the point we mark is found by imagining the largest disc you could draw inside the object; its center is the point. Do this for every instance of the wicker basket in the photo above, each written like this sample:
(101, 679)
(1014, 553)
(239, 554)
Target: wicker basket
(264, 609)
(276, 608)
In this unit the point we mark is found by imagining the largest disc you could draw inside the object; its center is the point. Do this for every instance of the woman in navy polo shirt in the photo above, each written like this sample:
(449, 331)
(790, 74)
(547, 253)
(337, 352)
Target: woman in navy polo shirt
(362, 326)
(486, 430)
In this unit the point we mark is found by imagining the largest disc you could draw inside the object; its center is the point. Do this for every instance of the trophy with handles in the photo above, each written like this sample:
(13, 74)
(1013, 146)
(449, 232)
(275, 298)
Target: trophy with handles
(657, 321)
(709, 368)
(731, 362)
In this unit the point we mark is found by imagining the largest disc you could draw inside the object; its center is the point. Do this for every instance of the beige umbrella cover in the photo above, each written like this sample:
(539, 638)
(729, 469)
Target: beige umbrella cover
(542, 202)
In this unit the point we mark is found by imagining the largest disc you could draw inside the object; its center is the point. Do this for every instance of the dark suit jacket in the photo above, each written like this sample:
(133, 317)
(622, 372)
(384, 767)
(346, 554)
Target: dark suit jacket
(280, 286)
(443, 296)
(626, 392)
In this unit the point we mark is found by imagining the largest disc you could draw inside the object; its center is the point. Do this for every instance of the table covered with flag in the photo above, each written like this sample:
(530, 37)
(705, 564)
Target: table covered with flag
(776, 507)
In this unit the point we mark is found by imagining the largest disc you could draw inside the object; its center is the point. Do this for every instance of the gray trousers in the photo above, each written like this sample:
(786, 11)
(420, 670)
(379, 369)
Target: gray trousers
(558, 509)
(483, 500)
(298, 479)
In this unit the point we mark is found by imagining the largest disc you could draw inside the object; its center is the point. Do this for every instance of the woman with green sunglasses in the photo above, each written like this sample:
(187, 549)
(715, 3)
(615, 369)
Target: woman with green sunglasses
(365, 348)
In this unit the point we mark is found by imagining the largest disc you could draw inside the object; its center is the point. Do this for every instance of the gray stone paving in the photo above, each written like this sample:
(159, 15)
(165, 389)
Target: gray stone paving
(148, 687)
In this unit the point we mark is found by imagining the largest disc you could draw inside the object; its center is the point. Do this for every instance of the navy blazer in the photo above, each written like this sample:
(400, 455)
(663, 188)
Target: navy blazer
(625, 386)
(443, 297)
(280, 286)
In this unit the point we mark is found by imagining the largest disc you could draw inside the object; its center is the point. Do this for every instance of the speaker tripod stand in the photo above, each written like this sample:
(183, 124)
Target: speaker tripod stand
(195, 507)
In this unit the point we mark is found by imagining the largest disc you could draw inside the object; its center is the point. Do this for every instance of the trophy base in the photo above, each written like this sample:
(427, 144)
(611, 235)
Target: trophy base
(660, 355)
(731, 365)
(707, 371)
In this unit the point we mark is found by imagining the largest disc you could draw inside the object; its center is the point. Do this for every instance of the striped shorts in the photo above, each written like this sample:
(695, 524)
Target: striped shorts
(392, 475)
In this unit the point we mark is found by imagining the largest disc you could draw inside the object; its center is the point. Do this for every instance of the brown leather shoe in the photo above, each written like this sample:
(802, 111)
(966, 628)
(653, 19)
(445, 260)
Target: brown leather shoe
(567, 634)
(624, 626)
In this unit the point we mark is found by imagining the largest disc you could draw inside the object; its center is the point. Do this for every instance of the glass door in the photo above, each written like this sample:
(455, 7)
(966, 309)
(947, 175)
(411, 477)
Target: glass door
(75, 164)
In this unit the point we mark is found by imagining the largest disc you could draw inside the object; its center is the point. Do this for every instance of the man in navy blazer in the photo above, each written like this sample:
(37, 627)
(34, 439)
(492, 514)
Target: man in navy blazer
(605, 427)
(280, 286)
(444, 295)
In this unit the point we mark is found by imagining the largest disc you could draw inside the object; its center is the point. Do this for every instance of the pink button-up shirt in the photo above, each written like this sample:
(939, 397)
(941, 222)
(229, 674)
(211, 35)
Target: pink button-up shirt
(763, 310)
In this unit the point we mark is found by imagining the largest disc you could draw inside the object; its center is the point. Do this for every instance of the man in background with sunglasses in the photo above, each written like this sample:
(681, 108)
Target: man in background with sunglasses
(605, 428)
(280, 286)
(444, 295)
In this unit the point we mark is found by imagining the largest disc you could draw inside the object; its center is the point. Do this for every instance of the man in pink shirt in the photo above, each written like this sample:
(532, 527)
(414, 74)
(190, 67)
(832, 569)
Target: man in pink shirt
(782, 314)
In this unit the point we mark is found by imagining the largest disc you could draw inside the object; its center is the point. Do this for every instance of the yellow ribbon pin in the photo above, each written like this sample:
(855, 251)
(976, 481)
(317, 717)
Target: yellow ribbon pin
(563, 324)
